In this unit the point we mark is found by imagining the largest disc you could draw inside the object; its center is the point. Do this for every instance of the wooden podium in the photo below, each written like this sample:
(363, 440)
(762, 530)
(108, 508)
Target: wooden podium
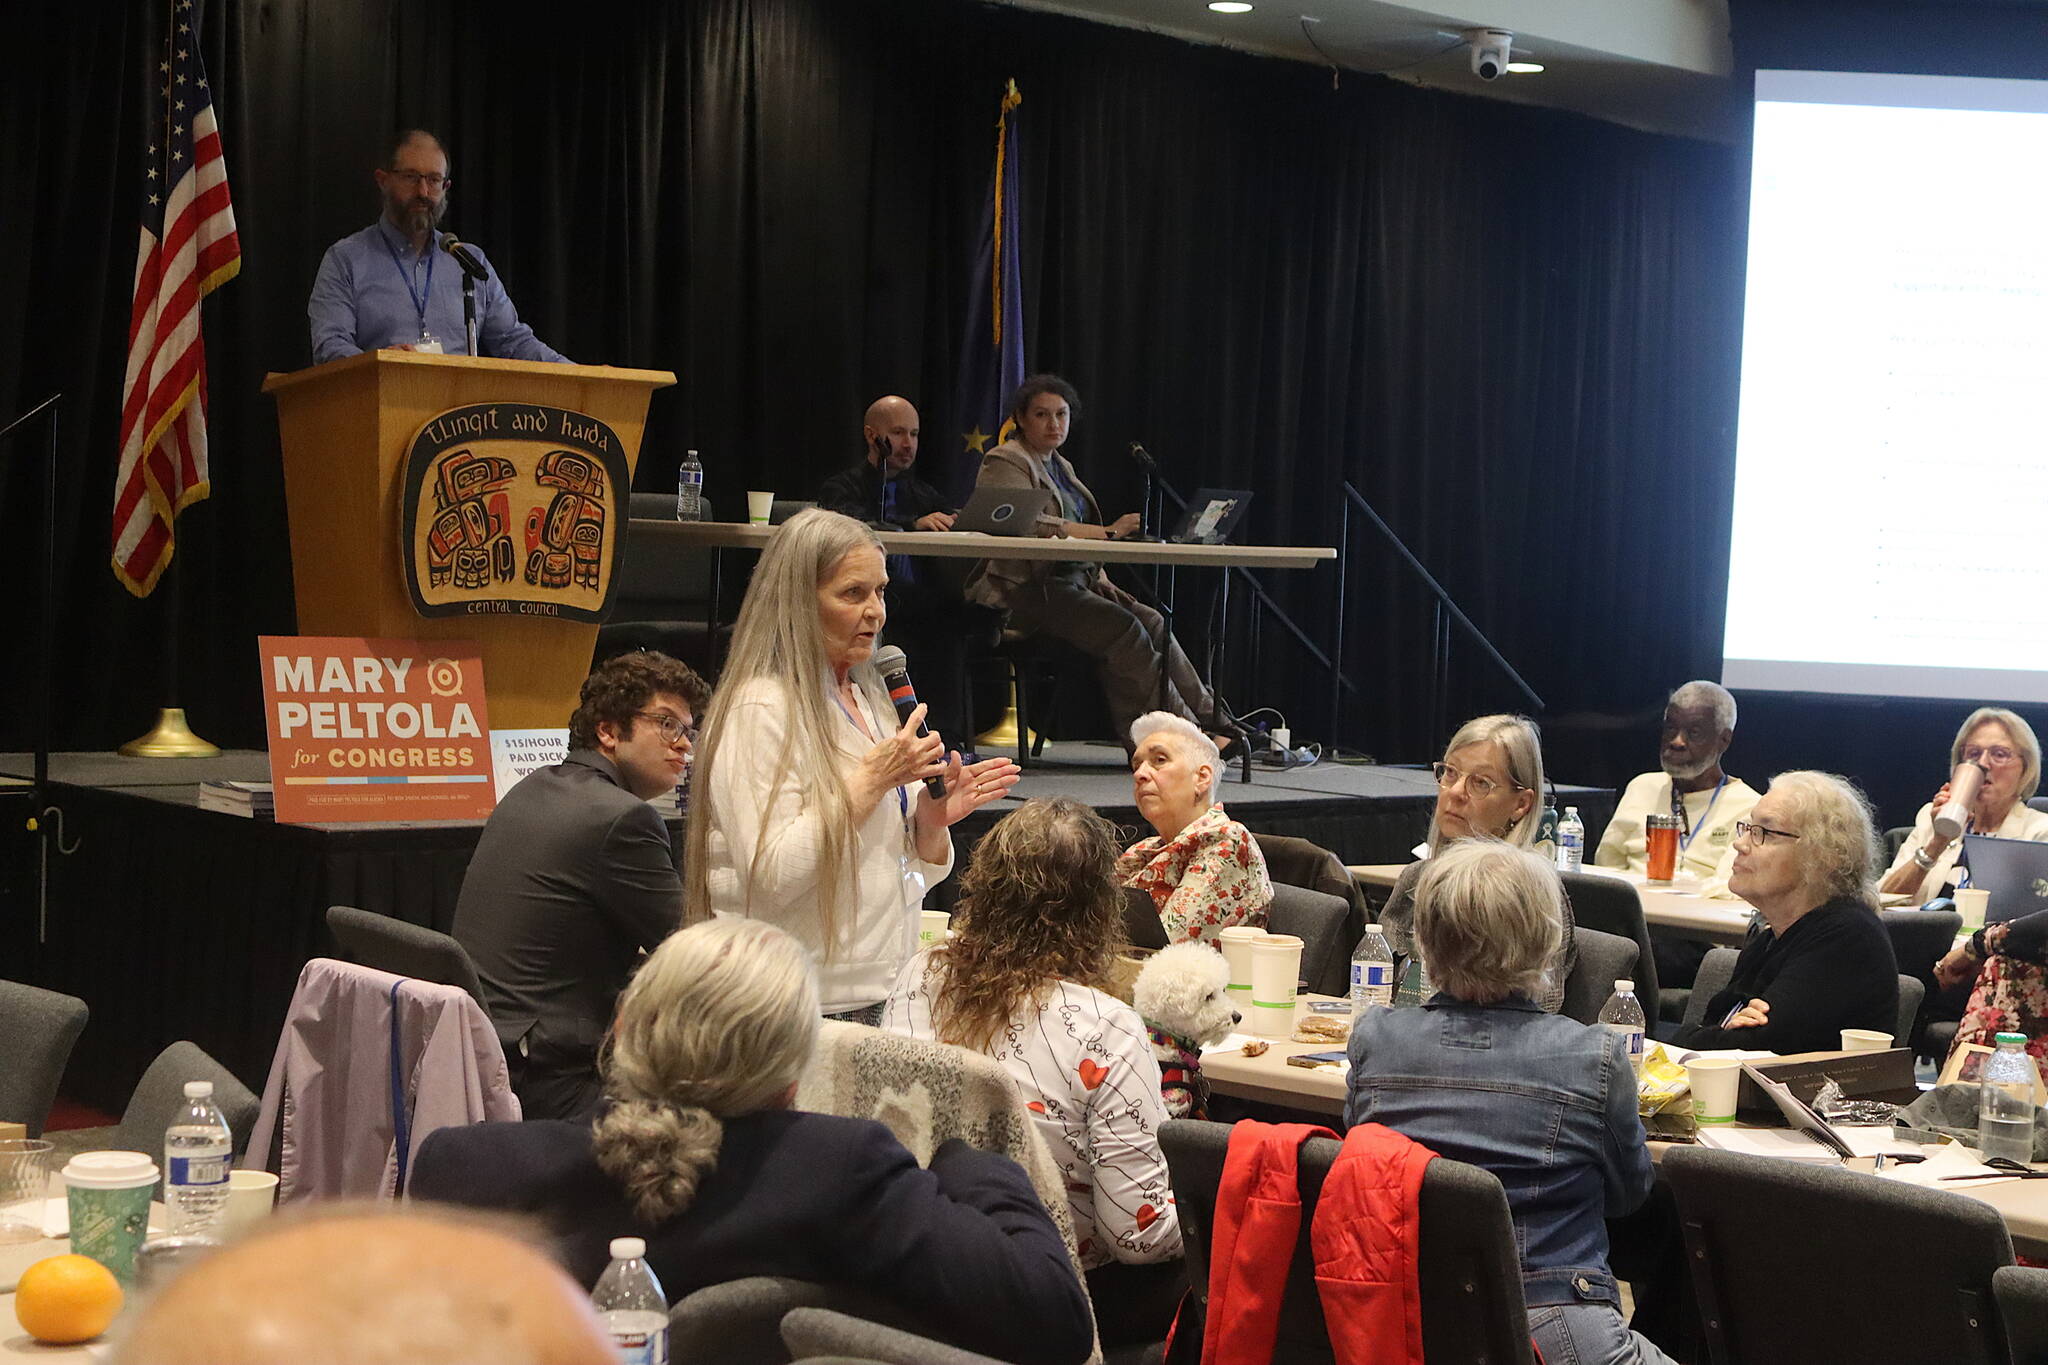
(346, 428)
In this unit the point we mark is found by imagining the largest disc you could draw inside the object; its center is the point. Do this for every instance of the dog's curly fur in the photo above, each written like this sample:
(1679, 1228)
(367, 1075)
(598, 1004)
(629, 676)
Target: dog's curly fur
(1182, 995)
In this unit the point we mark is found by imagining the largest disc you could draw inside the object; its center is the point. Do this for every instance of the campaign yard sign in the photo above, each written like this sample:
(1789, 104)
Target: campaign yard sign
(376, 729)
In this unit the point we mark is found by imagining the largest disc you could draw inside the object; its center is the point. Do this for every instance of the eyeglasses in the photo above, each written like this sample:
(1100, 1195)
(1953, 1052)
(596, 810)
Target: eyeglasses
(673, 731)
(433, 180)
(1996, 753)
(1764, 833)
(1479, 788)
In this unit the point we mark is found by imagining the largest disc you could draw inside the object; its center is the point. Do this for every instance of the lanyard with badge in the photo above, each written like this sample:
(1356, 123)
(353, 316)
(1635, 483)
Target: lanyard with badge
(428, 343)
(1688, 831)
(902, 799)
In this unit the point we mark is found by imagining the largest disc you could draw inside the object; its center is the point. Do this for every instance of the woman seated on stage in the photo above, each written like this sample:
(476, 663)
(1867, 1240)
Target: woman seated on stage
(1074, 600)
(699, 1152)
(1481, 1074)
(1024, 979)
(2003, 744)
(1489, 784)
(1202, 869)
(810, 807)
(1804, 859)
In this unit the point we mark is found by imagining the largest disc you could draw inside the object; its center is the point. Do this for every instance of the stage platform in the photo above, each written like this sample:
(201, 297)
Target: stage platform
(175, 922)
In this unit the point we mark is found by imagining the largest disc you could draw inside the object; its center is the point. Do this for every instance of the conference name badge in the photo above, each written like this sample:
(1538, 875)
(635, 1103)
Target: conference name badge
(513, 508)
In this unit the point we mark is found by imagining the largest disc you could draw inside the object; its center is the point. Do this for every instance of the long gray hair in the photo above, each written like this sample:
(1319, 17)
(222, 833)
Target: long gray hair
(778, 640)
(718, 1022)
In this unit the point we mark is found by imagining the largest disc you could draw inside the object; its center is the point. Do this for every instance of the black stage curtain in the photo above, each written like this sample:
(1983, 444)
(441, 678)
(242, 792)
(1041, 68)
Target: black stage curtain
(1514, 329)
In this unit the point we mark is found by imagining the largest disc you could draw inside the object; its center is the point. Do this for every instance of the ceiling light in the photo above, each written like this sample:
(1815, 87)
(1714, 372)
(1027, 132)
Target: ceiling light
(1525, 68)
(1230, 6)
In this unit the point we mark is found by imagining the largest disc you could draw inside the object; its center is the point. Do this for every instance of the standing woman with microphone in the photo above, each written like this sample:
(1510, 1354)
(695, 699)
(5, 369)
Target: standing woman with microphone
(1997, 753)
(808, 806)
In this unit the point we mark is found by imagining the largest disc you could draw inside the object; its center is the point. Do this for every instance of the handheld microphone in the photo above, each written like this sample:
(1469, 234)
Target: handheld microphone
(465, 256)
(1962, 790)
(895, 671)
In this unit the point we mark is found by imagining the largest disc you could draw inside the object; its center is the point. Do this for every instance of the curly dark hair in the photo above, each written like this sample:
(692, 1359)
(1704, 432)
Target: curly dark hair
(619, 688)
(1039, 902)
(1021, 396)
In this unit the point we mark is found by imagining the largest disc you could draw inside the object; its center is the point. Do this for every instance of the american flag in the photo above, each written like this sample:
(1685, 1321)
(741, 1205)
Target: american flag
(188, 249)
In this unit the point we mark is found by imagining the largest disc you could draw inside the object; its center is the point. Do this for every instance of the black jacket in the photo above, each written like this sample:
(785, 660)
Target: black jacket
(858, 493)
(572, 877)
(965, 1245)
(1833, 969)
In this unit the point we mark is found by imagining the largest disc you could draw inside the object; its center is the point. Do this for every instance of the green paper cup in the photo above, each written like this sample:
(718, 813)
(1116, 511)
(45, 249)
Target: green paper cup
(108, 1194)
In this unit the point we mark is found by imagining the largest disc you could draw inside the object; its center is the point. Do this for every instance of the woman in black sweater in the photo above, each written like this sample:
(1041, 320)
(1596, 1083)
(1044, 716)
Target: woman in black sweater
(1805, 859)
(699, 1153)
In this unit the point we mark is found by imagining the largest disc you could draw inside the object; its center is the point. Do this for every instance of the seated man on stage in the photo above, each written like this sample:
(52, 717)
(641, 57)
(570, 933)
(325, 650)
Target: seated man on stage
(1699, 725)
(1074, 600)
(928, 620)
(392, 287)
(575, 877)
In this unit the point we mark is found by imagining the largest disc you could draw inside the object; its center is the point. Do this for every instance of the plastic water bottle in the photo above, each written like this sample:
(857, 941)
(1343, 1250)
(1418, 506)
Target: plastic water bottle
(1571, 841)
(196, 1153)
(2005, 1101)
(1372, 972)
(1624, 1014)
(690, 489)
(630, 1301)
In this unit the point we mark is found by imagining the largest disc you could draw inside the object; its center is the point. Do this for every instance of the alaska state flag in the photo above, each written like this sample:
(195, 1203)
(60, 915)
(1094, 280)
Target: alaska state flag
(992, 349)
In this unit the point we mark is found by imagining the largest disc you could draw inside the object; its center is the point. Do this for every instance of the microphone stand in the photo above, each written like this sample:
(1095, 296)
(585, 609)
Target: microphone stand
(46, 652)
(469, 309)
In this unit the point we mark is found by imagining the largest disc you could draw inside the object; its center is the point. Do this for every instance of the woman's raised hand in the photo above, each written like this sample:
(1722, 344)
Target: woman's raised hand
(969, 787)
(902, 758)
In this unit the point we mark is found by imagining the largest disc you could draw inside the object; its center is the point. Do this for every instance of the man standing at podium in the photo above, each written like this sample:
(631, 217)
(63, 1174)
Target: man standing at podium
(391, 286)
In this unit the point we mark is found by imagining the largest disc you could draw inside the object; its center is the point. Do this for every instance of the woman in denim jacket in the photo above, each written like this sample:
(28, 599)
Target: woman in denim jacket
(1481, 1074)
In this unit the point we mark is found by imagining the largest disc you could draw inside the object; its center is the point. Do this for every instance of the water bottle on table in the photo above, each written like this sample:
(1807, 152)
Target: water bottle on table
(690, 488)
(1372, 972)
(2005, 1101)
(630, 1301)
(1571, 841)
(1623, 1013)
(197, 1146)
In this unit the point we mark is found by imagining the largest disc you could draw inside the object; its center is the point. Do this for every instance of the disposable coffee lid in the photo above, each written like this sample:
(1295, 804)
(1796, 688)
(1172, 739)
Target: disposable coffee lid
(109, 1170)
(628, 1248)
(198, 1090)
(1624, 987)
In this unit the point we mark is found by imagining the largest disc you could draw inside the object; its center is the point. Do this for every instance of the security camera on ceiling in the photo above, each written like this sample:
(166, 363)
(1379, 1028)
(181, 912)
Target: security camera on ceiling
(1490, 49)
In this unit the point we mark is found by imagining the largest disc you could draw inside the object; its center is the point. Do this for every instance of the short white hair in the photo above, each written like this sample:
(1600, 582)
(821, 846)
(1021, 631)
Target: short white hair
(1703, 692)
(1487, 919)
(1195, 746)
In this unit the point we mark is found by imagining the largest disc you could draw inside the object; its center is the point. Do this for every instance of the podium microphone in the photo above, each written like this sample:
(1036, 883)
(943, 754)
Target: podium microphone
(1146, 530)
(1144, 458)
(465, 256)
(895, 671)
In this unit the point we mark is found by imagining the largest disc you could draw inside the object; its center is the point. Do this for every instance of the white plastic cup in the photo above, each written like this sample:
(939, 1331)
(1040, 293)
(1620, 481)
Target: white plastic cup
(760, 506)
(251, 1196)
(1276, 970)
(1714, 1082)
(932, 927)
(108, 1194)
(24, 1180)
(1235, 943)
(1973, 902)
(1865, 1040)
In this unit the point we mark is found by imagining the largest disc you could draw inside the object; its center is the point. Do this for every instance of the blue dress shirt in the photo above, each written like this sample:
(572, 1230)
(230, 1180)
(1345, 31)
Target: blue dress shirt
(368, 295)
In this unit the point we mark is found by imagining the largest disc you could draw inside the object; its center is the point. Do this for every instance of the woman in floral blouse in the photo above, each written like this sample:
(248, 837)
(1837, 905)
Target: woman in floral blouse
(1202, 869)
(1023, 978)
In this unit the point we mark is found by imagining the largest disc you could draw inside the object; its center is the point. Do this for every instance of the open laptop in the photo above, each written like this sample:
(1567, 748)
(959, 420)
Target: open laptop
(1004, 511)
(2014, 871)
(1212, 514)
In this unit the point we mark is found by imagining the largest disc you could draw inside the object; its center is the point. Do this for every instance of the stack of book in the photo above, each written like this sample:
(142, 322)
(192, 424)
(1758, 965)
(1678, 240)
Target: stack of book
(252, 799)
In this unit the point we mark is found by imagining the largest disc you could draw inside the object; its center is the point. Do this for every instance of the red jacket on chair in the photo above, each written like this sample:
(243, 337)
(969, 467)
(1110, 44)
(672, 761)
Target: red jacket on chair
(1366, 1239)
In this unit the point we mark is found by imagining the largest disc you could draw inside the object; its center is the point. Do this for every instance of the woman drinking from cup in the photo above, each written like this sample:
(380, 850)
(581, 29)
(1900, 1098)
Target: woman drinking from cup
(1996, 752)
(1804, 859)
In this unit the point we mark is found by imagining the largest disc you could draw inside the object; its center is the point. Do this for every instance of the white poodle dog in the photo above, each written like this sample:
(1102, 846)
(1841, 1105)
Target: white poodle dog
(1182, 995)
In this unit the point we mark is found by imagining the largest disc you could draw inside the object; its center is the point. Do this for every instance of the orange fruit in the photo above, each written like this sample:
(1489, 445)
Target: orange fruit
(66, 1299)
